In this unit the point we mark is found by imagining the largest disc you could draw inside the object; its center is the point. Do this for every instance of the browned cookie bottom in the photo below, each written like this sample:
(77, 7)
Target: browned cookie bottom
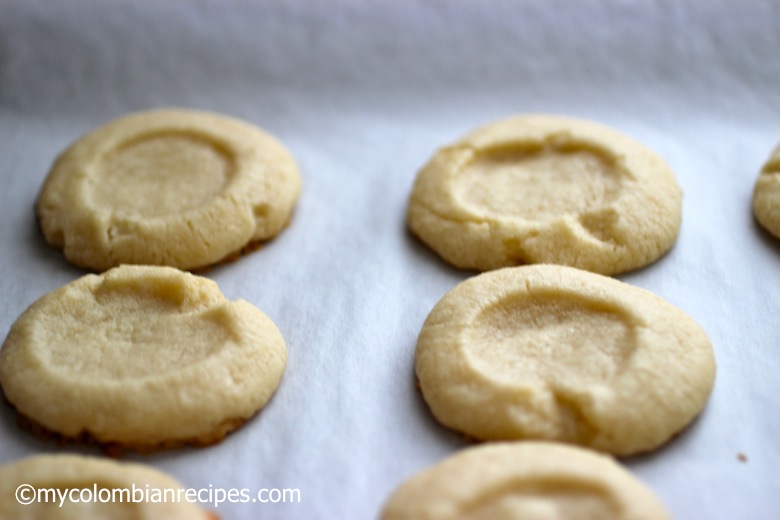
(118, 449)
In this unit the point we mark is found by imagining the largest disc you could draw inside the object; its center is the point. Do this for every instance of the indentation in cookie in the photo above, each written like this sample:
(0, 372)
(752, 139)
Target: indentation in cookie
(134, 318)
(542, 498)
(135, 346)
(532, 339)
(601, 224)
(539, 182)
(160, 174)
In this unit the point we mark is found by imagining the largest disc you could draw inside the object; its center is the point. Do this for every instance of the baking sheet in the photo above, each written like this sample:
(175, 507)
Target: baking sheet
(362, 93)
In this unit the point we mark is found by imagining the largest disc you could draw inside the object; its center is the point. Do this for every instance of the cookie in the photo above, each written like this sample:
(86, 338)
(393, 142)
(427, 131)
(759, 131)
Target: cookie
(545, 189)
(141, 357)
(555, 353)
(524, 480)
(766, 195)
(85, 488)
(172, 187)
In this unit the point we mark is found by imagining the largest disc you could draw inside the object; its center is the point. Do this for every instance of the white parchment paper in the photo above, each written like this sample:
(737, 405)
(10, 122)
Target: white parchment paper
(362, 93)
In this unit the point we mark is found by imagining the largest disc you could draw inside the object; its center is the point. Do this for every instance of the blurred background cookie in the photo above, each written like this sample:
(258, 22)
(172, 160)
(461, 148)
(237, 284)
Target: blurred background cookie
(766, 194)
(533, 480)
(43, 487)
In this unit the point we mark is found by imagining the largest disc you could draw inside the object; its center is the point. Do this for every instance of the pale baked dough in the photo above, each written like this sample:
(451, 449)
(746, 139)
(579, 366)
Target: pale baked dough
(766, 194)
(141, 357)
(545, 189)
(556, 353)
(182, 188)
(61, 473)
(524, 481)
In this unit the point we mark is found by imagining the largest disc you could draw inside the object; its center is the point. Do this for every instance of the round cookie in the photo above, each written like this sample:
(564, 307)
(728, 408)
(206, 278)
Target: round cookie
(36, 487)
(182, 188)
(140, 357)
(524, 480)
(546, 189)
(556, 353)
(766, 194)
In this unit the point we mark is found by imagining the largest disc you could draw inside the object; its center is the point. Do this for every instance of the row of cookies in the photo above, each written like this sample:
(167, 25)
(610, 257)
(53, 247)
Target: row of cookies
(551, 352)
(528, 356)
(190, 189)
(149, 356)
(146, 357)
